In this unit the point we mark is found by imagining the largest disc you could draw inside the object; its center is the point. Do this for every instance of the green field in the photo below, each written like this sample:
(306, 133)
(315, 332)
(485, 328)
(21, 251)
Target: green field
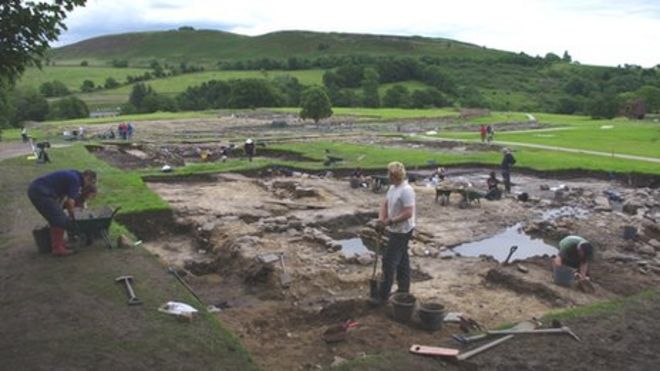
(73, 77)
(619, 136)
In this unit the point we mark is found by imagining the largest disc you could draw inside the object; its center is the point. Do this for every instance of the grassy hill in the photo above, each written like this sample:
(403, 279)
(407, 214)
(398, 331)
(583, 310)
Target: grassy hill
(208, 47)
(494, 79)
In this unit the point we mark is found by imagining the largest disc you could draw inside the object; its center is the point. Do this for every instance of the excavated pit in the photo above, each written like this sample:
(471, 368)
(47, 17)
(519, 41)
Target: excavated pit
(240, 227)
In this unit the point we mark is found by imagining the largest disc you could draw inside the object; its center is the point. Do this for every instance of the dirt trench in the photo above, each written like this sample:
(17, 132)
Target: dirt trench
(240, 226)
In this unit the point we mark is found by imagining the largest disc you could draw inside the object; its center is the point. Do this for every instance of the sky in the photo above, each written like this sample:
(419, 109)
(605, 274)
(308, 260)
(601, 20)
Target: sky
(598, 32)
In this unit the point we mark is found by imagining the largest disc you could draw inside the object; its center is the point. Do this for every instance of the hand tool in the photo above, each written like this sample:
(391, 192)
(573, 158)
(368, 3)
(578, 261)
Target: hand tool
(433, 351)
(561, 330)
(522, 326)
(511, 251)
(132, 299)
(473, 352)
(172, 270)
(373, 282)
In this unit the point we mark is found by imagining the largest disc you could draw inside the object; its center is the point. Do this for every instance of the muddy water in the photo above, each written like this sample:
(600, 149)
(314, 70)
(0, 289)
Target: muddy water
(352, 247)
(499, 245)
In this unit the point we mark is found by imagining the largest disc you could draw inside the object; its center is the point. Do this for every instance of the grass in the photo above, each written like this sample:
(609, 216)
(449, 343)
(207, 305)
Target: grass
(620, 136)
(142, 336)
(73, 77)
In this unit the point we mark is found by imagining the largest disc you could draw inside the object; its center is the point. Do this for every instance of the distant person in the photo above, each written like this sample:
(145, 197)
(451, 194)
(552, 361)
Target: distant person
(42, 154)
(490, 133)
(483, 132)
(81, 132)
(494, 192)
(358, 179)
(24, 134)
(575, 252)
(249, 149)
(507, 164)
(47, 193)
(129, 130)
(397, 217)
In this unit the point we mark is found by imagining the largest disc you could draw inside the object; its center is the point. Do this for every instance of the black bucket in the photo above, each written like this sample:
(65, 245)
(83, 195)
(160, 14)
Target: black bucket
(431, 315)
(42, 239)
(403, 305)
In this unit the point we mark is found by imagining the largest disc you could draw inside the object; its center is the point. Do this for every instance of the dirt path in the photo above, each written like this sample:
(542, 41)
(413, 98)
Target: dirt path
(13, 149)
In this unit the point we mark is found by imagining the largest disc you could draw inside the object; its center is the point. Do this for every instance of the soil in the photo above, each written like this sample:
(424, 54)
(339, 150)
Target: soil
(239, 218)
(236, 238)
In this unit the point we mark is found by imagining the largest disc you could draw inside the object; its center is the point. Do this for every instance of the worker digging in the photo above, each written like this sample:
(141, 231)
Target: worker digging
(48, 192)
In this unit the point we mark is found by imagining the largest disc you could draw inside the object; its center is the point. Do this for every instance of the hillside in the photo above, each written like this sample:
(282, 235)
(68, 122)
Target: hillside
(209, 47)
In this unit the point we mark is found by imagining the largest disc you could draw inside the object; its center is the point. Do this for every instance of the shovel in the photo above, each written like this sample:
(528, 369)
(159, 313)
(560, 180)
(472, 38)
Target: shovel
(373, 282)
(285, 278)
(511, 251)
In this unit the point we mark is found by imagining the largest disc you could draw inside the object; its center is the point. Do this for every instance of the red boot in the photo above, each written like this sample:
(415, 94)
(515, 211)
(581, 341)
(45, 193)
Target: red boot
(57, 242)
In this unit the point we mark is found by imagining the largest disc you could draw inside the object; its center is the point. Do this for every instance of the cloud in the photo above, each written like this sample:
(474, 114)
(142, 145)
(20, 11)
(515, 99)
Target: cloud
(604, 32)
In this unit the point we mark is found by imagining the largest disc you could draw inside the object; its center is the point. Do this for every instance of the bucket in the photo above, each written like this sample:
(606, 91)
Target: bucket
(42, 239)
(431, 315)
(629, 232)
(403, 305)
(563, 275)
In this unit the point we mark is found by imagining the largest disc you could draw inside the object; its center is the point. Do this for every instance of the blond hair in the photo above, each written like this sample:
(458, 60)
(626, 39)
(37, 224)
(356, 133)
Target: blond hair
(397, 170)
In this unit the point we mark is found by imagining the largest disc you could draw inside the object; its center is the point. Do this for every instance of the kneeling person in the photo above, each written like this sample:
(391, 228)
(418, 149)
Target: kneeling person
(575, 252)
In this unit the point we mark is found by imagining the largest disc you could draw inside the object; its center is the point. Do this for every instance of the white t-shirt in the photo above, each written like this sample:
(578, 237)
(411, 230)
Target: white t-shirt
(398, 198)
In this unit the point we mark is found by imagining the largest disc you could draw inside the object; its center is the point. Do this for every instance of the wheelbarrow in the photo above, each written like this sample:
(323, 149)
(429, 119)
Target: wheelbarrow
(95, 223)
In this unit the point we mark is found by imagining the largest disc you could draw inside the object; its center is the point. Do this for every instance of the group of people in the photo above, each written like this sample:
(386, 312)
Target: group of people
(125, 130)
(487, 133)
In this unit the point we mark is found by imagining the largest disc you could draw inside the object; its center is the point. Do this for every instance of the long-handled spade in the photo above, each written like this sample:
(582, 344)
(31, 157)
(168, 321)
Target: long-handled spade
(374, 282)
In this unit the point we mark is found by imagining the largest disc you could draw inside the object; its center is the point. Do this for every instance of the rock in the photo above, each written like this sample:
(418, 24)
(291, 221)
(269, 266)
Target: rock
(285, 184)
(544, 187)
(646, 250)
(338, 361)
(365, 259)
(301, 192)
(631, 207)
(522, 268)
(446, 254)
(601, 203)
(124, 242)
(654, 243)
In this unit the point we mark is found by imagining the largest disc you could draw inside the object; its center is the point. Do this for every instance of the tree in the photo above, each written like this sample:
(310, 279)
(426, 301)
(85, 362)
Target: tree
(566, 57)
(370, 88)
(54, 88)
(315, 104)
(26, 30)
(138, 93)
(397, 96)
(68, 108)
(603, 106)
(87, 86)
(29, 105)
(111, 83)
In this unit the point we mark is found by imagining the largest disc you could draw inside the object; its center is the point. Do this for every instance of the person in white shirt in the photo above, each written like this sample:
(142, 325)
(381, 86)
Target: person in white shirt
(397, 216)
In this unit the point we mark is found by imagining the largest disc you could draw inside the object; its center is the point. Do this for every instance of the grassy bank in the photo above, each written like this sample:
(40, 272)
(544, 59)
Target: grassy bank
(77, 316)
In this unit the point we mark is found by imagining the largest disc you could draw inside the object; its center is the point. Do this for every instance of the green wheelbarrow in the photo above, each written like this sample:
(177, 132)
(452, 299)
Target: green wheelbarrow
(94, 224)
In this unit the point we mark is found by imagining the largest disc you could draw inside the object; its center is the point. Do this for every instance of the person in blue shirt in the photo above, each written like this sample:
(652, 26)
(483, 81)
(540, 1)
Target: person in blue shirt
(47, 193)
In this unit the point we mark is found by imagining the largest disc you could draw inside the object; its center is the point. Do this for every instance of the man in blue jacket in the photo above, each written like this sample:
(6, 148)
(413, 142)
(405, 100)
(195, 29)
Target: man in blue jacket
(47, 193)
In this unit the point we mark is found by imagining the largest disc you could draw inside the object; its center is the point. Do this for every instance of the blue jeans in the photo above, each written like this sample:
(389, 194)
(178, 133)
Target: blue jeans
(396, 260)
(48, 205)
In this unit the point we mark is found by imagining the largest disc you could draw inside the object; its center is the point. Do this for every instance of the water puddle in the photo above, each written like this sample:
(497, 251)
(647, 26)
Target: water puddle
(499, 246)
(353, 247)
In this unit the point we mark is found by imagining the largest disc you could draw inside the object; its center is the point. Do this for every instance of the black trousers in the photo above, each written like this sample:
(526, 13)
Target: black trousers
(396, 260)
(506, 177)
